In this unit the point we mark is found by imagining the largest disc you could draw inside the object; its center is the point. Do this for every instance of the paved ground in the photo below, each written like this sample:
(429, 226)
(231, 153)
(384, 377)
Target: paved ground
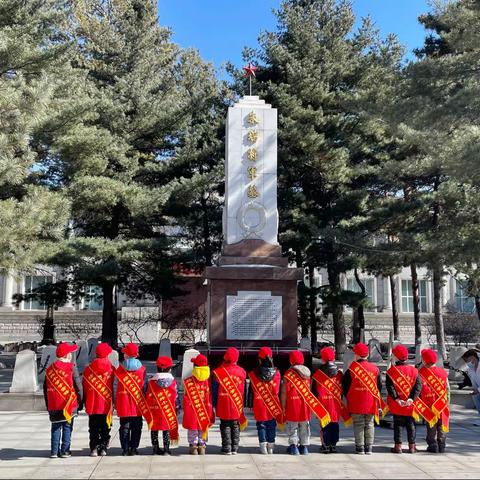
(24, 443)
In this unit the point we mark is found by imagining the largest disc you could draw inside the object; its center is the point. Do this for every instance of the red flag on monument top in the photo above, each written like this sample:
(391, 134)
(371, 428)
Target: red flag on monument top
(249, 73)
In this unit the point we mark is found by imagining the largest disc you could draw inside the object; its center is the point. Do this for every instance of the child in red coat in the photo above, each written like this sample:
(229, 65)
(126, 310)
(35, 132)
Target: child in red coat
(162, 402)
(63, 395)
(197, 405)
(296, 411)
(328, 386)
(98, 396)
(230, 385)
(265, 384)
(129, 399)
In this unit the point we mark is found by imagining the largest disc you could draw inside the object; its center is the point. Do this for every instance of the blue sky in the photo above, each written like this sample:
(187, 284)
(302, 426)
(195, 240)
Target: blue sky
(220, 29)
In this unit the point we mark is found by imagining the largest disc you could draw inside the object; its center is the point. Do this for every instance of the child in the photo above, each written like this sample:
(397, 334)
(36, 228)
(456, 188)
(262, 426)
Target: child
(62, 390)
(98, 392)
(403, 388)
(130, 400)
(162, 402)
(197, 405)
(436, 395)
(230, 385)
(265, 381)
(361, 386)
(328, 385)
(295, 408)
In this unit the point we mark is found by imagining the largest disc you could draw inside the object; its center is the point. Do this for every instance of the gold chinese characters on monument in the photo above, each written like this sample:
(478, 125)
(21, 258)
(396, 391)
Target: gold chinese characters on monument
(252, 136)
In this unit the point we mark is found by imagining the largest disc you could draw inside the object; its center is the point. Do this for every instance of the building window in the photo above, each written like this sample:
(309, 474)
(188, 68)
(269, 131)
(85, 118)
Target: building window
(93, 298)
(463, 302)
(353, 286)
(407, 296)
(32, 282)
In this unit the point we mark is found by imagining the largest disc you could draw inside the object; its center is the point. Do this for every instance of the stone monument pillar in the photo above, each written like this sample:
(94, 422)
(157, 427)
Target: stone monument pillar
(252, 293)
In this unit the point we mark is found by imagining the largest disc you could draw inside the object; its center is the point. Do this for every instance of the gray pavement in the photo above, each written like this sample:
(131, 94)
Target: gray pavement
(25, 437)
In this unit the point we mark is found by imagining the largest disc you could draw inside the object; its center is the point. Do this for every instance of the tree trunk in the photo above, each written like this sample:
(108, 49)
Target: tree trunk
(416, 304)
(359, 318)
(109, 316)
(337, 313)
(49, 327)
(395, 317)
(437, 310)
(302, 301)
(207, 244)
(312, 308)
(477, 305)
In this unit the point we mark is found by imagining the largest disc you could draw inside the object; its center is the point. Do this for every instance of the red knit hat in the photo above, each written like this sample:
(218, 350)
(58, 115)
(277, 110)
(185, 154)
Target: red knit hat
(360, 349)
(231, 355)
(400, 352)
(164, 362)
(64, 349)
(296, 358)
(200, 360)
(429, 356)
(327, 354)
(265, 352)
(130, 349)
(103, 350)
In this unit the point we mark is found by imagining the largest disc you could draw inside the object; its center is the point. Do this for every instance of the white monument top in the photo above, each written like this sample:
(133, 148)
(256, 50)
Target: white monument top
(250, 210)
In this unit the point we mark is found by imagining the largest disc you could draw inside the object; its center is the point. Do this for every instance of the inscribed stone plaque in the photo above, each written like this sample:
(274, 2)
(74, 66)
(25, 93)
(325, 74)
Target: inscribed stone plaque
(254, 316)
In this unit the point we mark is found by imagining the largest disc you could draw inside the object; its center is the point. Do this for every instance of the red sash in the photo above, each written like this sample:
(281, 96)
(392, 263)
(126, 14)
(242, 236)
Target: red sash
(271, 401)
(136, 392)
(226, 381)
(58, 380)
(370, 384)
(199, 408)
(168, 410)
(440, 405)
(96, 382)
(332, 386)
(309, 398)
(404, 385)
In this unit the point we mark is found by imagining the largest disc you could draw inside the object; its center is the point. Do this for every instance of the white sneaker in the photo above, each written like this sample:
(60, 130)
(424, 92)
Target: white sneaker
(270, 447)
(263, 448)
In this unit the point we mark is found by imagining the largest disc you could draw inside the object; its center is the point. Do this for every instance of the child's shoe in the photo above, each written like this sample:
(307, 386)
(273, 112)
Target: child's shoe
(359, 450)
(94, 453)
(368, 450)
(193, 450)
(263, 448)
(225, 452)
(53, 455)
(102, 452)
(270, 448)
(293, 450)
(202, 449)
(303, 449)
(66, 454)
(333, 449)
(412, 448)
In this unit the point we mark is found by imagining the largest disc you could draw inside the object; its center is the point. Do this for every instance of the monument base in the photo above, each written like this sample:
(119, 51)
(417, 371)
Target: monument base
(252, 298)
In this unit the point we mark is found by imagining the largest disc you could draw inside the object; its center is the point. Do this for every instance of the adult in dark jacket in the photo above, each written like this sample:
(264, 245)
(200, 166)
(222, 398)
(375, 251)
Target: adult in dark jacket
(63, 394)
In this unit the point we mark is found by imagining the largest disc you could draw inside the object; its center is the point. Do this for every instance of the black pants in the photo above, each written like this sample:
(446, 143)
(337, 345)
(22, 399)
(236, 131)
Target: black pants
(230, 431)
(99, 432)
(330, 434)
(400, 421)
(130, 432)
(166, 438)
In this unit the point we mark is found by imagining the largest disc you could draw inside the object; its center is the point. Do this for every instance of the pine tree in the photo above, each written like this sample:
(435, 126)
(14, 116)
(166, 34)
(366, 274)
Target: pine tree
(114, 134)
(318, 72)
(31, 53)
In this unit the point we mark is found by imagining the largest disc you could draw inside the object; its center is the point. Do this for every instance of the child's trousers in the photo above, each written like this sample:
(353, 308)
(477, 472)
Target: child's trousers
(298, 433)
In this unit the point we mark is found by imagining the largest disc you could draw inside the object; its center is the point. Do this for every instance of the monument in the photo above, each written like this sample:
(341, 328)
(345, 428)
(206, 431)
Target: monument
(252, 293)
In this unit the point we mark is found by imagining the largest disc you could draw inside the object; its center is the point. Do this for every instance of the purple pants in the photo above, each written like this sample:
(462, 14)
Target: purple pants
(195, 437)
